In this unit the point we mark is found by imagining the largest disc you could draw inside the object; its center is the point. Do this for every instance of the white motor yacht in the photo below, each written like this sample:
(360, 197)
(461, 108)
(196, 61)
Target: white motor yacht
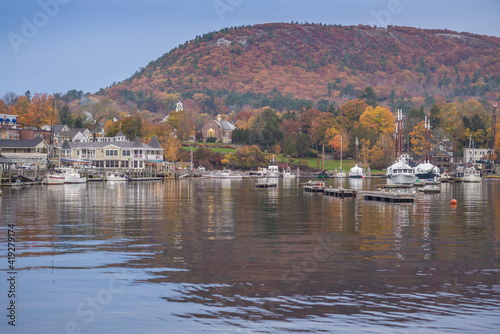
(402, 173)
(471, 175)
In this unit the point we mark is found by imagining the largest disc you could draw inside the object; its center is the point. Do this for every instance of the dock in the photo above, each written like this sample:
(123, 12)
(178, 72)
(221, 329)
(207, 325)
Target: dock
(430, 190)
(266, 185)
(314, 188)
(340, 192)
(388, 196)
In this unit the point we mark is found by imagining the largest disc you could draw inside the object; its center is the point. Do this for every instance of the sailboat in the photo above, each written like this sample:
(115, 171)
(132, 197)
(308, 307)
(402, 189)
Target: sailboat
(356, 172)
(341, 173)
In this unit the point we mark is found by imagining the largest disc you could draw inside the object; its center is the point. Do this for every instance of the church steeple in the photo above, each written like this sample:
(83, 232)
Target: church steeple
(179, 106)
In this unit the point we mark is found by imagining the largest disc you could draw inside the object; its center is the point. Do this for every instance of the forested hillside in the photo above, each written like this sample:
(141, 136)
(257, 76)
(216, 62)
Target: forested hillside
(289, 66)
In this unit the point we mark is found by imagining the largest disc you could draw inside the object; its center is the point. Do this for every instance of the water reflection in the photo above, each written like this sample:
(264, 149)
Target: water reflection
(223, 255)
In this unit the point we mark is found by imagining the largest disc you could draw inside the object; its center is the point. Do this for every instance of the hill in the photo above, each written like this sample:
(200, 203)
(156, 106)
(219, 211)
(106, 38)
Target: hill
(290, 66)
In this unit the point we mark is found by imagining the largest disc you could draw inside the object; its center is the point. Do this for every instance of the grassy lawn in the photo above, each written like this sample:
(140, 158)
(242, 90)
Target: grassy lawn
(330, 164)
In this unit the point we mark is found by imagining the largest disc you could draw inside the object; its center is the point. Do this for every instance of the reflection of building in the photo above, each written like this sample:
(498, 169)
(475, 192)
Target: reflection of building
(219, 129)
(116, 154)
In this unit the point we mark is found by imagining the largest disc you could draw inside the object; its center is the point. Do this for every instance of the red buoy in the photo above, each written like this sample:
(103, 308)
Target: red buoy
(453, 202)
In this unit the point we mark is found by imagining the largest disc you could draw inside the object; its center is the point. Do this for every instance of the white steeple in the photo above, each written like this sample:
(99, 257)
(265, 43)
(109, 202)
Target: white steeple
(179, 106)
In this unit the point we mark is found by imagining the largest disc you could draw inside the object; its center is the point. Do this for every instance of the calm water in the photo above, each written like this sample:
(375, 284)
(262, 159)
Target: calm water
(221, 256)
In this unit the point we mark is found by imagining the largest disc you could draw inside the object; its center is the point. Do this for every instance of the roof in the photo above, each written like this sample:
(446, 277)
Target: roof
(102, 145)
(154, 142)
(23, 143)
(120, 134)
(225, 125)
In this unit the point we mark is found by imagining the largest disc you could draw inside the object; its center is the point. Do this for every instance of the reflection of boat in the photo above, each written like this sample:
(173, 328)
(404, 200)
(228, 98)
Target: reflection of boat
(402, 173)
(471, 175)
(114, 177)
(225, 174)
(356, 172)
(72, 175)
(53, 178)
(288, 173)
(427, 171)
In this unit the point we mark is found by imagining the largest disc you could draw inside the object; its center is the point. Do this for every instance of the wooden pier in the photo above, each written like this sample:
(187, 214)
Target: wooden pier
(388, 196)
(340, 192)
(314, 188)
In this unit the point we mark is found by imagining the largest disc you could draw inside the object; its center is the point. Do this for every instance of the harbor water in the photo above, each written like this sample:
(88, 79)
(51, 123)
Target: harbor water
(222, 256)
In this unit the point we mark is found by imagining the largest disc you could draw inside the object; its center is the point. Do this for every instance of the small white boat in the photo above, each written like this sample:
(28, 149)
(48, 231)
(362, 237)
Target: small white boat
(402, 173)
(72, 175)
(356, 172)
(471, 175)
(340, 174)
(261, 171)
(115, 177)
(273, 171)
(288, 173)
(53, 179)
(226, 174)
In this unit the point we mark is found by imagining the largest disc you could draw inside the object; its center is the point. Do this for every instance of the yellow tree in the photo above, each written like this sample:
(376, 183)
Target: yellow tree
(351, 112)
(365, 154)
(39, 111)
(171, 147)
(378, 119)
(417, 139)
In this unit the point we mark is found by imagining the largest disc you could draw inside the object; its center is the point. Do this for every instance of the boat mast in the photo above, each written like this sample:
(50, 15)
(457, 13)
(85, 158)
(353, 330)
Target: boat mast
(323, 156)
(341, 153)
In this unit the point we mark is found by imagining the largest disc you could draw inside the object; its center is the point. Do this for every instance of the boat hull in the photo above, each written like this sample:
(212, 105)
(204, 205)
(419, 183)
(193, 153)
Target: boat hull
(471, 178)
(273, 175)
(53, 179)
(403, 178)
(73, 179)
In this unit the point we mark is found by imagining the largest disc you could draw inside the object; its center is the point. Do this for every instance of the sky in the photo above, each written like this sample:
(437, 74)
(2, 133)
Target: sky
(52, 46)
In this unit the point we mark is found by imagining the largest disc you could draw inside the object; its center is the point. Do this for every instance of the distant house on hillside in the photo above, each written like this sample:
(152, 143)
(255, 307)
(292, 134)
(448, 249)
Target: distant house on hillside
(219, 129)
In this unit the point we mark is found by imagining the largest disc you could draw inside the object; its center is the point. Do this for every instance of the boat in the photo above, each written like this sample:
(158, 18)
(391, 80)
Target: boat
(115, 177)
(72, 175)
(273, 170)
(288, 173)
(426, 171)
(356, 172)
(53, 179)
(261, 171)
(471, 175)
(402, 173)
(226, 174)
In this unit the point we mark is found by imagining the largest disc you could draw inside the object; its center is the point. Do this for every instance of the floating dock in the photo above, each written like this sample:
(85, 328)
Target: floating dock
(429, 190)
(314, 188)
(388, 196)
(340, 192)
(266, 185)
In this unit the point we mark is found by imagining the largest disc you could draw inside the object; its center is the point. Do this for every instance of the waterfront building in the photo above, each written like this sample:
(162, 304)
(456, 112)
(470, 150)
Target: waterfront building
(113, 154)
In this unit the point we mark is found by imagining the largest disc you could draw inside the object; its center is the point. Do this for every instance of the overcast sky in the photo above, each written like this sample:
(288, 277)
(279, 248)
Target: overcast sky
(49, 46)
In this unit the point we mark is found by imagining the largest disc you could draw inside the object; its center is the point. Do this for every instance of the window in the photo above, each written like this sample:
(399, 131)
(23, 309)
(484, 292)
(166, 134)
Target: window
(210, 133)
(111, 153)
(126, 153)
